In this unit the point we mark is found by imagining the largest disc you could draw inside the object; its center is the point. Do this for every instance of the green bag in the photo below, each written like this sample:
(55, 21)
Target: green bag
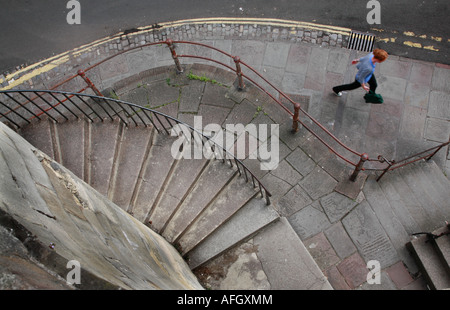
(372, 97)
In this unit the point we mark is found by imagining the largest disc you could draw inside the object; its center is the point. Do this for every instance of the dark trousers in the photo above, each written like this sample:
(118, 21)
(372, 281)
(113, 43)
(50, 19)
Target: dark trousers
(372, 84)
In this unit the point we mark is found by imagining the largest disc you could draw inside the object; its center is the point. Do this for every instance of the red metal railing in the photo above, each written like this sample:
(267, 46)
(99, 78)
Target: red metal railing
(323, 135)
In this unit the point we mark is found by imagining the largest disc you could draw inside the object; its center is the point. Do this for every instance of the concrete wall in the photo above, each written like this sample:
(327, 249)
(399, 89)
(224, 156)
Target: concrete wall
(49, 217)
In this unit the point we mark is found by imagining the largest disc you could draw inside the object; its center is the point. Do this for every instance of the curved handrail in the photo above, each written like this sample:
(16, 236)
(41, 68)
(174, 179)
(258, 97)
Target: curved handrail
(107, 108)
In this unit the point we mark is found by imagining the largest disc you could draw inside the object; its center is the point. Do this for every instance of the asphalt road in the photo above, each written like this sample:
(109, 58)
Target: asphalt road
(35, 30)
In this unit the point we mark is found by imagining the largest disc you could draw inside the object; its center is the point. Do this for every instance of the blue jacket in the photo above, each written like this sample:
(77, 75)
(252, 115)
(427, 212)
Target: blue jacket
(365, 68)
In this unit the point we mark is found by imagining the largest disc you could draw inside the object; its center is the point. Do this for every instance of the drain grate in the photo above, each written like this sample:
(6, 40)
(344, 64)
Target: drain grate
(361, 41)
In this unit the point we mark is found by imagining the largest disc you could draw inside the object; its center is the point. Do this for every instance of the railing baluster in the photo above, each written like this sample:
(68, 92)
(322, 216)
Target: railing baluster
(23, 106)
(63, 104)
(268, 195)
(10, 120)
(150, 119)
(36, 105)
(88, 105)
(52, 106)
(237, 61)
(237, 166)
(174, 55)
(245, 174)
(115, 112)
(75, 105)
(14, 111)
(123, 108)
(157, 117)
(384, 171)
(99, 104)
(82, 74)
(135, 113)
(359, 166)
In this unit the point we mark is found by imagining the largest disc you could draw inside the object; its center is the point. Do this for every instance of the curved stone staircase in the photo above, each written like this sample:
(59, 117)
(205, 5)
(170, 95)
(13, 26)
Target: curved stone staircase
(204, 207)
(184, 200)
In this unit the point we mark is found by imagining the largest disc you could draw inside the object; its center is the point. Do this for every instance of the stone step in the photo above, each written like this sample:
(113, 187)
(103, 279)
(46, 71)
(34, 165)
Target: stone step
(415, 209)
(399, 207)
(432, 259)
(442, 246)
(254, 216)
(235, 196)
(388, 219)
(72, 143)
(292, 267)
(438, 192)
(178, 187)
(439, 185)
(423, 192)
(212, 181)
(104, 137)
(157, 168)
(134, 147)
(39, 134)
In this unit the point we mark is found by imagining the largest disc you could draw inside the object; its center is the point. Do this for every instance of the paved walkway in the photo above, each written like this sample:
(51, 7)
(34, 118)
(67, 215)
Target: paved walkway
(414, 116)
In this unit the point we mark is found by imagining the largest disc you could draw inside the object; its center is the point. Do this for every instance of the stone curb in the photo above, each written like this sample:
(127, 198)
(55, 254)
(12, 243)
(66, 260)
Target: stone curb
(53, 70)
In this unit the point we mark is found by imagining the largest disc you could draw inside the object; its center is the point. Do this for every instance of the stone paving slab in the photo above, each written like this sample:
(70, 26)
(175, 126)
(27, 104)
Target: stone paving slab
(340, 241)
(309, 221)
(294, 200)
(321, 250)
(318, 183)
(399, 275)
(336, 205)
(369, 237)
(354, 270)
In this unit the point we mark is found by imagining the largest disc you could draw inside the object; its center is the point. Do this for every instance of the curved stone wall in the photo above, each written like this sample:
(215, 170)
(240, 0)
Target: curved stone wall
(72, 232)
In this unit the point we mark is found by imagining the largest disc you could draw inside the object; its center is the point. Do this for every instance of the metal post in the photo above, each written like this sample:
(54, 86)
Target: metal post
(239, 72)
(437, 150)
(381, 159)
(174, 55)
(89, 83)
(296, 117)
(358, 168)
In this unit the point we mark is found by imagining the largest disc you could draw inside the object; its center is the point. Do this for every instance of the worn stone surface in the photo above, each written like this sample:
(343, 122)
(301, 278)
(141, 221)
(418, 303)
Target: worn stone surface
(336, 206)
(340, 240)
(309, 221)
(318, 183)
(354, 270)
(322, 251)
(239, 268)
(79, 224)
(368, 236)
(291, 261)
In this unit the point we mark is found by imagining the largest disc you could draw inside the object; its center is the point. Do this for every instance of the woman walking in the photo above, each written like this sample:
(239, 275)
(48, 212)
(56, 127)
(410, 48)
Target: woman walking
(366, 67)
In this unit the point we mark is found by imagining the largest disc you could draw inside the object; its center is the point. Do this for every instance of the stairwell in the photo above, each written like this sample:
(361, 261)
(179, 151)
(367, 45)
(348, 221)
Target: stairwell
(184, 200)
(202, 206)
(205, 208)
